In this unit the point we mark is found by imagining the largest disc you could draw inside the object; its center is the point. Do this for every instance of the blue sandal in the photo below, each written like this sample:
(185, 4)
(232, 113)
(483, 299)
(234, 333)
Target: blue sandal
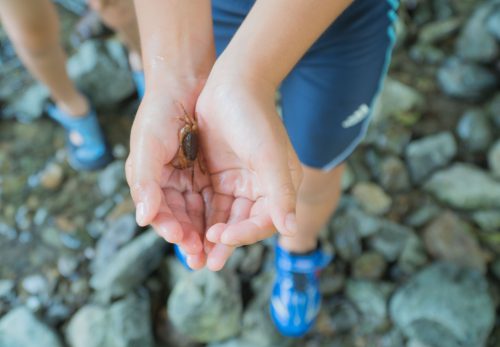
(295, 299)
(93, 153)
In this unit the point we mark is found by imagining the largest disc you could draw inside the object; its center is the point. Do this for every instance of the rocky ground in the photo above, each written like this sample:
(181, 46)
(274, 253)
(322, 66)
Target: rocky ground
(417, 236)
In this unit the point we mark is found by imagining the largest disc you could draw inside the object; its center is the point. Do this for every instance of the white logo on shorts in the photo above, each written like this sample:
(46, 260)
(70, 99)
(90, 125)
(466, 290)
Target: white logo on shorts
(356, 117)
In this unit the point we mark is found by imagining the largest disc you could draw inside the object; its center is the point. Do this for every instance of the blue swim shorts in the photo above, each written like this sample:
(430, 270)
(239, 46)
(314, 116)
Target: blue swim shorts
(327, 99)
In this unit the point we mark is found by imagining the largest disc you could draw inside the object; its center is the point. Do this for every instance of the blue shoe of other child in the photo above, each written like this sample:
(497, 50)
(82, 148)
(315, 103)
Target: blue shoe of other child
(87, 147)
(295, 299)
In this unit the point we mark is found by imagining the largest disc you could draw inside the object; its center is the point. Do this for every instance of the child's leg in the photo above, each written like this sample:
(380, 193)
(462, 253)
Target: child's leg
(33, 27)
(120, 16)
(318, 196)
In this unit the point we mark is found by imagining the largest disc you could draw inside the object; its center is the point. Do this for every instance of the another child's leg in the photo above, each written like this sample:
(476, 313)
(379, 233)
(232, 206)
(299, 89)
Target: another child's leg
(327, 100)
(120, 16)
(318, 196)
(33, 27)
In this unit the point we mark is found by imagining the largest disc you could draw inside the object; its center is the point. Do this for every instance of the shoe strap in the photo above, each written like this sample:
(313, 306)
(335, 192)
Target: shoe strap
(87, 126)
(301, 263)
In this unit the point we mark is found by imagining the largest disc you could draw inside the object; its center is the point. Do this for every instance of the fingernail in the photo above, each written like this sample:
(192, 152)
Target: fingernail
(140, 213)
(291, 223)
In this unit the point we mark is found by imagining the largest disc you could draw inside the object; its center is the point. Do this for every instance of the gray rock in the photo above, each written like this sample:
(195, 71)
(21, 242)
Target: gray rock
(487, 220)
(6, 288)
(51, 176)
(337, 316)
(346, 239)
(348, 178)
(474, 130)
(88, 327)
(440, 30)
(466, 187)
(100, 69)
(423, 53)
(495, 268)
(391, 239)
(30, 104)
(118, 234)
(35, 284)
(206, 306)
(475, 42)
(493, 24)
(126, 323)
(412, 257)
(67, 265)
(130, 266)
(422, 215)
(372, 198)
(370, 266)
(494, 159)
(365, 224)
(449, 238)
(465, 80)
(130, 323)
(252, 260)
(430, 308)
(393, 176)
(494, 110)
(430, 153)
(256, 317)
(395, 98)
(370, 298)
(111, 178)
(388, 136)
(20, 328)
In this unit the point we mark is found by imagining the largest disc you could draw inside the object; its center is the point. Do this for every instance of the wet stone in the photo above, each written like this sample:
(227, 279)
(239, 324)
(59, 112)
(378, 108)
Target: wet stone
(396, 98)
(372, 198)
(494, 159)
(465, 80)
(370, 298)
(393, 176)
(67, 265)
(116, 235)
(474, 130)
(430, 153)
(475, 42)
(494, 110)
(20, 328)
(206, 306)
(480, 192)
(390, 240)
(487, 220)
(449, 238)
(111, 178)
(35, 284)
(6, 288)
(129, 266)
(337, 316)
(345, 238)
(439, 30)
(431, 309)
(370, 265)
(52, 176)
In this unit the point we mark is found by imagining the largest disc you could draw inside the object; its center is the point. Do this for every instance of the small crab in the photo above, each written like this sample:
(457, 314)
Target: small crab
(189, 145)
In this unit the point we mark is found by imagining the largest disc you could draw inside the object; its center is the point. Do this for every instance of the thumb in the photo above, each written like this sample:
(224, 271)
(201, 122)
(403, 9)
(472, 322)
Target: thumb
(280, 185)
(144, 169)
